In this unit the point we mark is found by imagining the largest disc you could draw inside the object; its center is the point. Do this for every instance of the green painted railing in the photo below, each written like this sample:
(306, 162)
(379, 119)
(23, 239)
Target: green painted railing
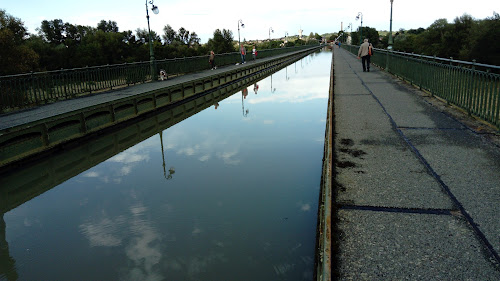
(471, 86)
(25, 90)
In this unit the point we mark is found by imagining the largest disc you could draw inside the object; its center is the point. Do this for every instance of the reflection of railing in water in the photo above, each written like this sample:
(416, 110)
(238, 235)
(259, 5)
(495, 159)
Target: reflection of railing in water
(18, 187)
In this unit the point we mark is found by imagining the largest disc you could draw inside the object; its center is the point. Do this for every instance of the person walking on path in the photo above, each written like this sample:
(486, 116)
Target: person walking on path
(211, 60)
(254, 53)
(243, 52)
(363, 52)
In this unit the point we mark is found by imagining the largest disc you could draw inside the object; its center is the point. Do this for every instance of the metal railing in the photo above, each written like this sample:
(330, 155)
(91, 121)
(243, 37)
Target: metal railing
(471, 86)
(25, 90)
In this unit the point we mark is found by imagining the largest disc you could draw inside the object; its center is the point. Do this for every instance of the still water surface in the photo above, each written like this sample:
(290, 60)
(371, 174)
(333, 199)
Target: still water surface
(237, 199)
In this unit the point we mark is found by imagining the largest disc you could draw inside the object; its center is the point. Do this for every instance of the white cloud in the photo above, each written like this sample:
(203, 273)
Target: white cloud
(204, 158)
(91, 175)
(304, 206)
(227, 157)
(203, 18)
(103, 233)
(129, 157)
(144, 248)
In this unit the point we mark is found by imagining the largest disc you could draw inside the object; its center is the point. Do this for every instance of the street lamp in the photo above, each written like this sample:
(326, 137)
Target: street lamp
(390, 31)
(240, 22)
(151, 53)
(389, 47)
(349, 26)
(270, 30)
(360, 16)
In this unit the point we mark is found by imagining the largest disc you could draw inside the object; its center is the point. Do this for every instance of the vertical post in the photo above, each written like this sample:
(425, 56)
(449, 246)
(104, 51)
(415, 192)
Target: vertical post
(361, 31)
(390, 30)
(240, 22)
(469, 93)
(151, 53)
(239, 43)
(360, 15)
(390, 41)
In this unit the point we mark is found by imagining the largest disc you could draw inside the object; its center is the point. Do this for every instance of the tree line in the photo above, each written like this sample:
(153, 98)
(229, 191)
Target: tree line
(62, 45)
(465, 39)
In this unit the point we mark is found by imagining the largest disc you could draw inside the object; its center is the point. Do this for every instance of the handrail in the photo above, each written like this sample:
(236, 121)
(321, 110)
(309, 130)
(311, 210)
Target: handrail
(451, 60)
(476, 91)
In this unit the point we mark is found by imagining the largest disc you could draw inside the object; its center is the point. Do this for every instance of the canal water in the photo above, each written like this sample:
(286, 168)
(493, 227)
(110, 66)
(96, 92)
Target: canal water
(230, 193)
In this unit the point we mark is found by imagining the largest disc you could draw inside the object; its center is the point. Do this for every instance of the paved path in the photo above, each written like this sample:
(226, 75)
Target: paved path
(418, 191)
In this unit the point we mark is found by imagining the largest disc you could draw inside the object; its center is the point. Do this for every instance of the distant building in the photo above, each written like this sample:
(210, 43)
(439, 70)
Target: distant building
(300, 33)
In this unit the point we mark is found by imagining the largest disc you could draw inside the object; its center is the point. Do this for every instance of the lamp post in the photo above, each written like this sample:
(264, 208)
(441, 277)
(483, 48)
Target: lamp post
(389, 47)
(270, 30)
(360, 16)
(286, 37)
(240, 22)
(350, 24)
(346, 37)
(151, 53)
(390, 30)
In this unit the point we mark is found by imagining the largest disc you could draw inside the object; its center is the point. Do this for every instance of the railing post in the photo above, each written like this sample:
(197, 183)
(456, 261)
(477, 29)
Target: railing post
(387, 60)
(421, 72)
(469, 93)
(33, 91)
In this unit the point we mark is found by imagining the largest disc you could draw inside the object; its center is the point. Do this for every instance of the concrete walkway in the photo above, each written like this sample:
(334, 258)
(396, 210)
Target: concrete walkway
(418, 191)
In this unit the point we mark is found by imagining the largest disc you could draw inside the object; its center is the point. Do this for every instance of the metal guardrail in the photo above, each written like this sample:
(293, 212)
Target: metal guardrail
(324, 251)
(25, 90)
(471, 86)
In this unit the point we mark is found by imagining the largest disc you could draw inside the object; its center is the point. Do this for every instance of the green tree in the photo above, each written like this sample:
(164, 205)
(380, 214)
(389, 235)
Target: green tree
(53, 31)
(169, 34)
(16, 56)
(222, 42)
(480, 45)
(109, 26)
(457, 35)
(183, 35)
(368, 32)
(433, 39)
(142, 35)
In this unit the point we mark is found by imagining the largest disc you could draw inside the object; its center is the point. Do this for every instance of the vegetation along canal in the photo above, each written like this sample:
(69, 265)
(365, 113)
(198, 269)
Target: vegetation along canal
(229, 193)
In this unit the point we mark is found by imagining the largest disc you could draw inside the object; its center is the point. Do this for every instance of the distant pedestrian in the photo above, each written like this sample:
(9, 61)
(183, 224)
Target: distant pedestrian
(363, 52)
(254, 52)
(243, 52)
(339, 44)
(211, 60)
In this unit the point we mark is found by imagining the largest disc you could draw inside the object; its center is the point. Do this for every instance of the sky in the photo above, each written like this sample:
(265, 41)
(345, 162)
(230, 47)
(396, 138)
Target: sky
(259, 16)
